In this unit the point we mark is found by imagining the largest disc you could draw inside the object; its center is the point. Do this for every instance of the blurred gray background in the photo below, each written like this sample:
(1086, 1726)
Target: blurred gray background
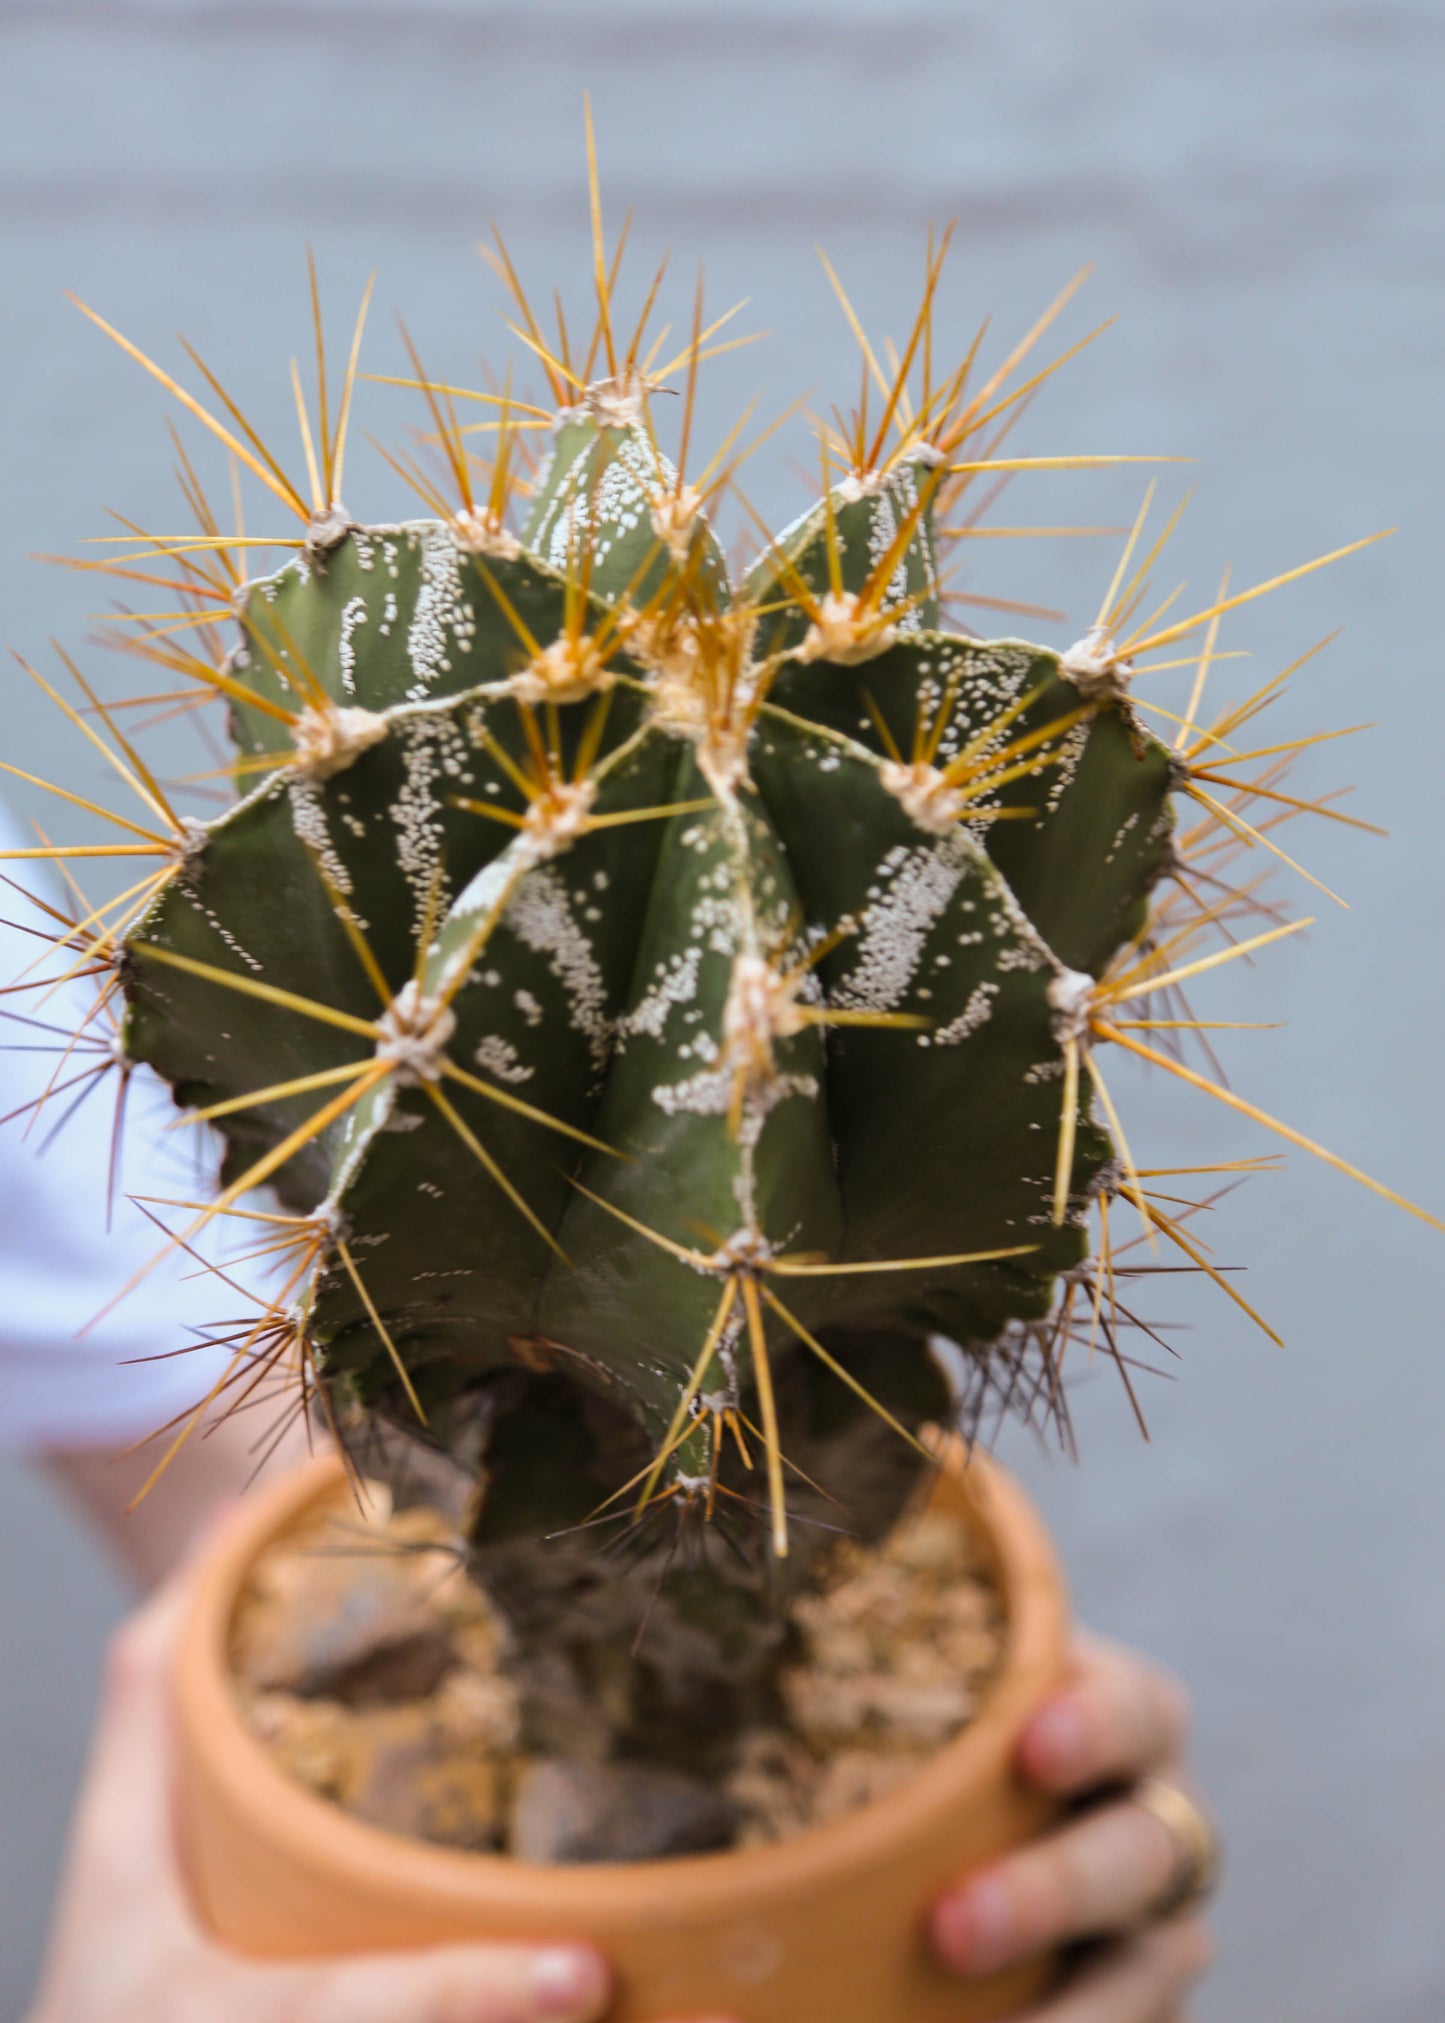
(1260, 186)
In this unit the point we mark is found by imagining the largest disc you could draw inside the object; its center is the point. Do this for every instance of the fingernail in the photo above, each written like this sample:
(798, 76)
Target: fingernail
(1056, 1742)
(974, 1928)
(568, 1983)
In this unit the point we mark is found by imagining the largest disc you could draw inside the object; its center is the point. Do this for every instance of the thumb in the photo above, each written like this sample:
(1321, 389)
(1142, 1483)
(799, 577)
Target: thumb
(445, 1984)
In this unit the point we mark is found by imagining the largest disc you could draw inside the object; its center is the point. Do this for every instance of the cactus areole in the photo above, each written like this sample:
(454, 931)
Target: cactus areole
(667, 1002)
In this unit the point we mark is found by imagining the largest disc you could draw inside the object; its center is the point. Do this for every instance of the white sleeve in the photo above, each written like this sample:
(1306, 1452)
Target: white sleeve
(149, 1359)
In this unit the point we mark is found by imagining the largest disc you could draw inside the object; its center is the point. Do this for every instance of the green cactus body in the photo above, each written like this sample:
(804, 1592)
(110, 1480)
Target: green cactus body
(646, 984)
(607, 501)
(661, 1008)
(666, 1003)
(877, 524)
(680, 992)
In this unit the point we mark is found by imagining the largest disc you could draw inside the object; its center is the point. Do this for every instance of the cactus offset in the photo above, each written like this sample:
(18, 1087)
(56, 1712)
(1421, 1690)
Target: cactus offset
(664, 1008)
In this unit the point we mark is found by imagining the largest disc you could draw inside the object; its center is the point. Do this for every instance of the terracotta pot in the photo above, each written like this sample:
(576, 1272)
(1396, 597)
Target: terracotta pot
(824, 1926)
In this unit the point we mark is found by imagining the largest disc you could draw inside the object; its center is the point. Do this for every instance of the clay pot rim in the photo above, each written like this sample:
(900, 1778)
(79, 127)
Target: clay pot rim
(275, 1808)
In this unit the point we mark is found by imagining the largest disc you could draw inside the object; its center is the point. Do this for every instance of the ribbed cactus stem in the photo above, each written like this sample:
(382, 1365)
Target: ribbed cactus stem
(669, 1006)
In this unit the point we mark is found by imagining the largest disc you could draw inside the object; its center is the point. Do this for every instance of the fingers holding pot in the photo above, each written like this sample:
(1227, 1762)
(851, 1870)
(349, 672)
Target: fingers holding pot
(1102, 1873)
(1143, 1980)
(1116, 1719)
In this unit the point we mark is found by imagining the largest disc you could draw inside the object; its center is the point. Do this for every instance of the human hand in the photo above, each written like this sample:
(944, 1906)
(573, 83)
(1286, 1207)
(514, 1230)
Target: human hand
(125, 1946)
(1103, 1874)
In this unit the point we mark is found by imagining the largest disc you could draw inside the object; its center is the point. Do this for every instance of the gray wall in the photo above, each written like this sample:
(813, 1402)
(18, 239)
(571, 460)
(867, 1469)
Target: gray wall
(1260, 186)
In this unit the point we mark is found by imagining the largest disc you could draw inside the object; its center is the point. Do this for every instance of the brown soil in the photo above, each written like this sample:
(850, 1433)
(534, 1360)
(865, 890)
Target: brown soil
(372, 1669)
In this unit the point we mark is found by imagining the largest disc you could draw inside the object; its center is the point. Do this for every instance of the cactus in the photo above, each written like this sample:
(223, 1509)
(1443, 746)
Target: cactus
(665, 1006)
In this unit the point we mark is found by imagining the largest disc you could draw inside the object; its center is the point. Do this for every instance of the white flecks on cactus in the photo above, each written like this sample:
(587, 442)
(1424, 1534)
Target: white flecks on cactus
(440, 610)
(676, 984)
(1061, 774)
(542, 918)
(415, 814)
(308, 817)
(498, 1057)
(356, 612)
(976, 1013)
(915, 887)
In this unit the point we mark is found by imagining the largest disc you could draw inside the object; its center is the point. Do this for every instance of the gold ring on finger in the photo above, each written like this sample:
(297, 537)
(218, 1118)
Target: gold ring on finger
(1198, 1853)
